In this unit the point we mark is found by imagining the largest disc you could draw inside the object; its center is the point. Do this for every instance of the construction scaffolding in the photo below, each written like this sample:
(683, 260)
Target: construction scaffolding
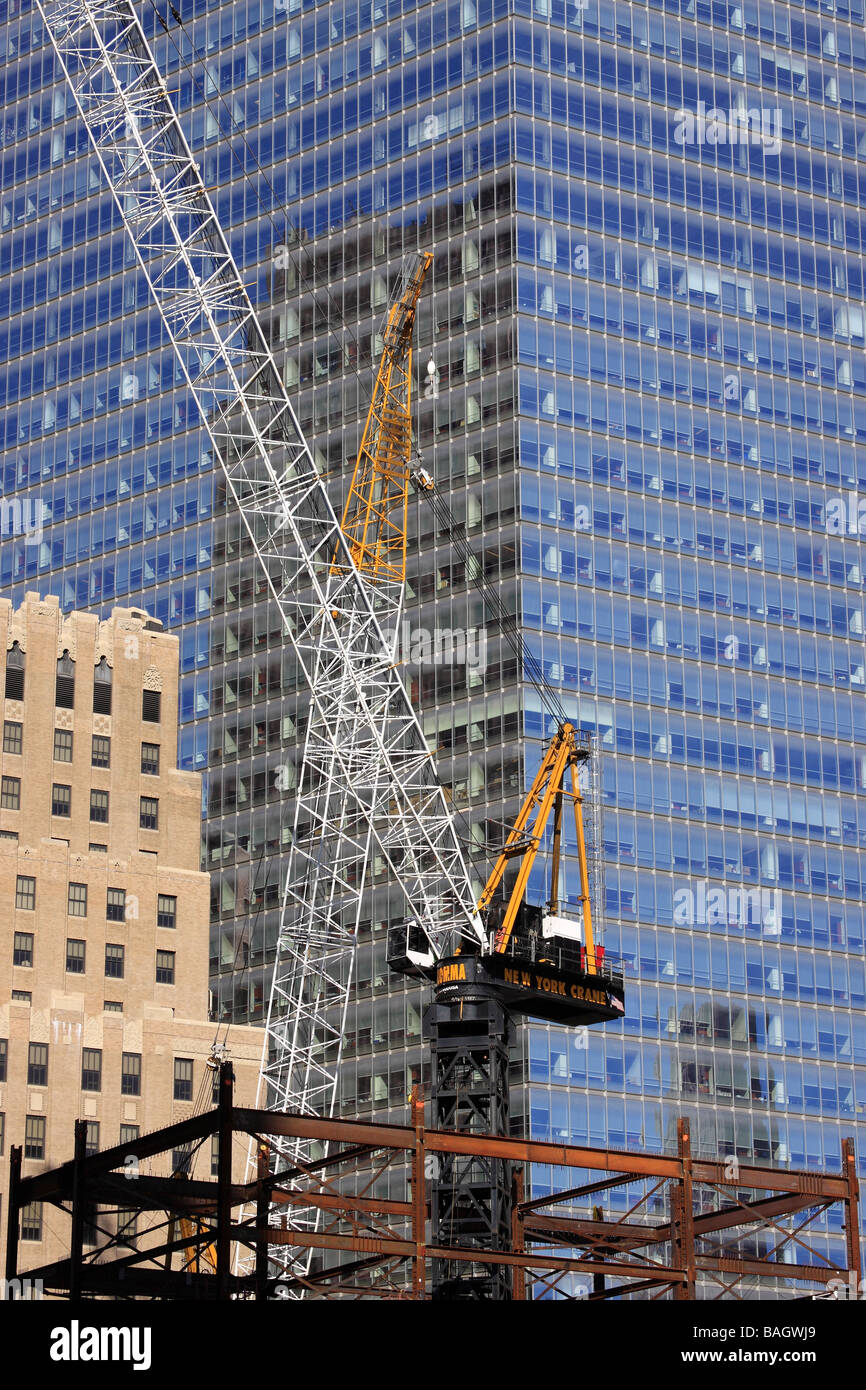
(690, 1228)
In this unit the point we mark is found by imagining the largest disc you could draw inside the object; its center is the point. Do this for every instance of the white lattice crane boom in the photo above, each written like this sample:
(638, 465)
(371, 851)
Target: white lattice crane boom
(368, 782)
(366, 741)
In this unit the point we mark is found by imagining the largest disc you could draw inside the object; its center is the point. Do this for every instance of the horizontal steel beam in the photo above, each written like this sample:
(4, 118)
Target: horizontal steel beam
(57, 1182)
(771, 1269)
(820, 1185)
(585, 1191)
(633, 1235)
(387, 1247)
(327, 1201)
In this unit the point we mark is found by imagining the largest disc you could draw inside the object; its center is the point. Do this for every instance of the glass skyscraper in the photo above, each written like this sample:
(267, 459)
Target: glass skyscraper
(640, 379)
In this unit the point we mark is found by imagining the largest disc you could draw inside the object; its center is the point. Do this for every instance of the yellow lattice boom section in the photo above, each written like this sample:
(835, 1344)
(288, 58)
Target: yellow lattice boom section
(375, 514)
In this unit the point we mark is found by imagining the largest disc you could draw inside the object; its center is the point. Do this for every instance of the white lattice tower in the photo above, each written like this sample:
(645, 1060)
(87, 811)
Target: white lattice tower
(369, 779)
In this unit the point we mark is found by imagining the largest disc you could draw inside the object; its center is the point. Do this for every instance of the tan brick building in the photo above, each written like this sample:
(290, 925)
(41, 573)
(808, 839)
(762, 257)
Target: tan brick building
(103, 908)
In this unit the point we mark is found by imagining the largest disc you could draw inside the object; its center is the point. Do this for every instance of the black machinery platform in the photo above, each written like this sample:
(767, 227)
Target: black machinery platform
(538, 988)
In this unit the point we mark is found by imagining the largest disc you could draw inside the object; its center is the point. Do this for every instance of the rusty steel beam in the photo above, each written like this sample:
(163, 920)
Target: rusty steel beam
(683, 1222)
(288, 1126)
(632, 1236)
(388, 1247)
(643, 1286)
(852, 1199)
(585, 1191)
(373, 1136)
(57, 1182)
(419, 1200)
(609, 1249)
(518, 1283)
(821, 1185)
(331, 1160)
(541, 1151)
(769, 1269)
(579, 1228)
(375, 1206)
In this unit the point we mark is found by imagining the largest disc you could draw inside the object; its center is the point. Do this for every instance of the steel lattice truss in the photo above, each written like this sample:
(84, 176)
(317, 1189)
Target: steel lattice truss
(369, 780)
(687, 1227)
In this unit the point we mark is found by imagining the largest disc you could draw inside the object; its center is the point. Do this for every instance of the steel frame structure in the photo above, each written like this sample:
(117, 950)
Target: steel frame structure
(694, 1227)
(470, 1196)
(370, 779)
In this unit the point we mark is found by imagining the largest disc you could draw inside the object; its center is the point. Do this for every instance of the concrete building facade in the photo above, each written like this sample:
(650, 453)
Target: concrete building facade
(104, 919)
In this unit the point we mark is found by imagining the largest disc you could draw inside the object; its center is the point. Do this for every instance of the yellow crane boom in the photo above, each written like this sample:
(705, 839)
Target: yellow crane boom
(375, 515)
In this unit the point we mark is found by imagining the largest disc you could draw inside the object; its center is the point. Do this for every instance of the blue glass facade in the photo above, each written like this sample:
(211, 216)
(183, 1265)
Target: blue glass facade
(648, 406)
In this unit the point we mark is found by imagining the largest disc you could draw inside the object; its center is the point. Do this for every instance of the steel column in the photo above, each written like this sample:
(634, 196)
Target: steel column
(76, 1245)
(518, 1286)
(224, 1181)
(852, 1210)
(13, 1214)
(419, 1200)
(683, 1216)
(263, 1206)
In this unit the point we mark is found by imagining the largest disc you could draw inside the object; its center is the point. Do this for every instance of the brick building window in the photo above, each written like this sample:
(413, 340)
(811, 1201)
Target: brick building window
(91, 1139)
(63, 745)
(112, 1006)
(183, 1078)
(75, 957)
(99, 806)
(15, 662)
(101, 752)
(76, 902)
(31, 1221)
(12, 736)
(181, 1160)
(165, 967)
(115, 906)
(37, 1064)
(130, 1074)
(91, 1069)
(148, 815)
(114, 962)
(4, 1057)
(10, 793)
(2, 1133)
(34, 1136)
(91, 1223)
(151, 701)
(166, 910)
(64, 688)
(128, 1133)
(22, 948)
(127, 1227)
(102, 688)
(61, 800)
(25, 893)
(150, 759)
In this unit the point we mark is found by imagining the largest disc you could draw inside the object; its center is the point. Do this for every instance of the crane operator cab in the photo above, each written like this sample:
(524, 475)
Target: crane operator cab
(538, 962)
